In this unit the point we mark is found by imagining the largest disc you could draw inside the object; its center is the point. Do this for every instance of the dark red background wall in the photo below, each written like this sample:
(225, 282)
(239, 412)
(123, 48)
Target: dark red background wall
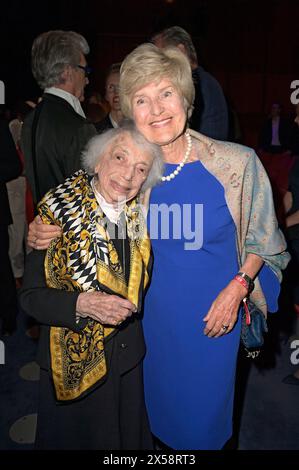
(251, 46)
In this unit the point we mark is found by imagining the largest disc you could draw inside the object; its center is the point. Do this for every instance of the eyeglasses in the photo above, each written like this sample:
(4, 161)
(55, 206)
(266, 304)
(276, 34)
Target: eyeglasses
(87, 70)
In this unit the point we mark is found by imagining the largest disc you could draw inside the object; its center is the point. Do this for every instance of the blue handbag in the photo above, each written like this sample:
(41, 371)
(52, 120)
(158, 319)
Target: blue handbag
(254, 326)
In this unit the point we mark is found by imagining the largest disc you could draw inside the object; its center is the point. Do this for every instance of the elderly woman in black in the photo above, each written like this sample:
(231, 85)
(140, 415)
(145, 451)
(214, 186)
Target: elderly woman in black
(86, 291)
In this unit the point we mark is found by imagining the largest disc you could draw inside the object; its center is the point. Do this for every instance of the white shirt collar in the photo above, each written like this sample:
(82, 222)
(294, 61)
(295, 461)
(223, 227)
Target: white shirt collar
(112, 211)
(71, 99)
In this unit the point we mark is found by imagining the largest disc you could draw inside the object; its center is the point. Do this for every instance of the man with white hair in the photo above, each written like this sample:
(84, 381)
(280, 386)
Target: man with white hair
(55, 133)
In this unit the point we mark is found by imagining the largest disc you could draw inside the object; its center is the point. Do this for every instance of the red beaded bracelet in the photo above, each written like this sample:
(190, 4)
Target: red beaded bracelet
(242, 281)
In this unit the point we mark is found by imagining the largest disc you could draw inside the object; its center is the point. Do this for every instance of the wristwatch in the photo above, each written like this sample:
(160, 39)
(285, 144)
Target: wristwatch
(249, 281)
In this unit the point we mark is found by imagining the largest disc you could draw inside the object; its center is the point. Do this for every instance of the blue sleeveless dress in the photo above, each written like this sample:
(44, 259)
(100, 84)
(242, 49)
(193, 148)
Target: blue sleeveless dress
(189, 378)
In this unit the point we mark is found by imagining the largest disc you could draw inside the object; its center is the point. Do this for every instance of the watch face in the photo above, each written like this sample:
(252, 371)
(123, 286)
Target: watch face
(250, 283)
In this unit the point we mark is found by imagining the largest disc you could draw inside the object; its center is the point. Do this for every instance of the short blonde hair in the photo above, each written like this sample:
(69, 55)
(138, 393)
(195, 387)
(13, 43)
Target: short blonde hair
(147, 63)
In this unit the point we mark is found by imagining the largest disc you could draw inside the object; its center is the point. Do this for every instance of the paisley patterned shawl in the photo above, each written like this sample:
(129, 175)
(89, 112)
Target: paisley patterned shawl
(248, 195)
(84, 259)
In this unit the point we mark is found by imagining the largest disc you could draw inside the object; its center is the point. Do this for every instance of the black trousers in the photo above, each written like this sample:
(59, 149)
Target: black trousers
(112, 417)
(8, 293)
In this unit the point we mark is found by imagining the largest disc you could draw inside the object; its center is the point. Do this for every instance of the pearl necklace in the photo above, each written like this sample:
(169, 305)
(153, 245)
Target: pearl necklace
(180, 166)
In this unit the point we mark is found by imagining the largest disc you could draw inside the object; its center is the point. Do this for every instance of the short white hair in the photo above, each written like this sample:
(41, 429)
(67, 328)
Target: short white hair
(52, 52)
(97, 146)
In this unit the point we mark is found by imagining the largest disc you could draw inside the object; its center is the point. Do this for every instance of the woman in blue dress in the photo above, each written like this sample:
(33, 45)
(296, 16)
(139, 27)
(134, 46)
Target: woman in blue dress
(213, 230)
(215, 239)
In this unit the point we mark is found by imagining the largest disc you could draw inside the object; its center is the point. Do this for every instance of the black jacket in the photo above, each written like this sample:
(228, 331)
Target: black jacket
(10, 168)
(61, 135)
(104, 125)
(210, 116)
(52, 307)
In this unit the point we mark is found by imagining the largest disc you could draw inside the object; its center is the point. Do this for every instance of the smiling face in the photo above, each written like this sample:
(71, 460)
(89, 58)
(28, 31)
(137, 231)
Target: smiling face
(122, 170)
(159, 112)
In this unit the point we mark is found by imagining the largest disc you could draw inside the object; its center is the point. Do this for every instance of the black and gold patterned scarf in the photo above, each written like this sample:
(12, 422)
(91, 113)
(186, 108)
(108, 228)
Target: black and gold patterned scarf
(84, 259)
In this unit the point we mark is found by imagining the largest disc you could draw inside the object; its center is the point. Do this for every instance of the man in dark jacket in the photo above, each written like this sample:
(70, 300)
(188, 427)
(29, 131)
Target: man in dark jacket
(56, 132)
(10, 168)
(210, 115)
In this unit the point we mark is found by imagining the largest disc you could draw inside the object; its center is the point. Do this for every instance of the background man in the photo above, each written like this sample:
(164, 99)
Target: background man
(210, 116)
(55, 133)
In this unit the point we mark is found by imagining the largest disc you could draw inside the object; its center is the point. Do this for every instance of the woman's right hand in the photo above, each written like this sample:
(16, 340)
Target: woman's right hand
(40, 235)
(104, 308)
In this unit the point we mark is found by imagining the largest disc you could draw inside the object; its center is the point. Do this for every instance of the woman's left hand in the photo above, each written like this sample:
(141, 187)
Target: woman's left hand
(223, 313)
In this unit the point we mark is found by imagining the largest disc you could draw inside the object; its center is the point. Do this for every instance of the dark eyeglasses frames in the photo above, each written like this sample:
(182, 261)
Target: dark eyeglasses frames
(87, 70)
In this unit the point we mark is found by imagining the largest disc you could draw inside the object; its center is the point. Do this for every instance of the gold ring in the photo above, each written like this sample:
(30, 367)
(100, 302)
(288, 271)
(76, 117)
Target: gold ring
(224, 327)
